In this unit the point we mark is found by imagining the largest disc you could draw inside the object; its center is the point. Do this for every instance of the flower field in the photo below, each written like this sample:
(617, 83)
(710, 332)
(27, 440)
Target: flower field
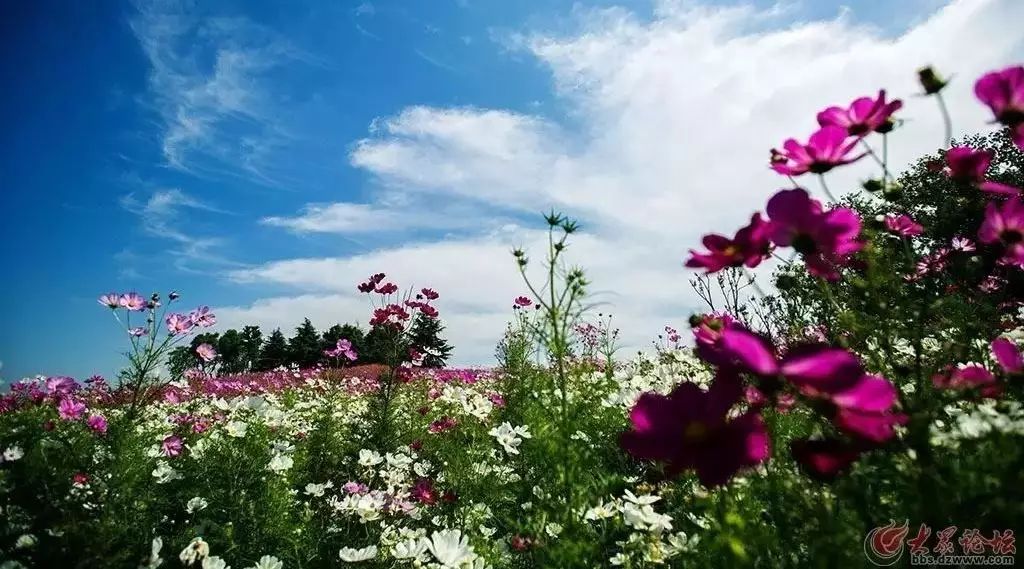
(856, 403)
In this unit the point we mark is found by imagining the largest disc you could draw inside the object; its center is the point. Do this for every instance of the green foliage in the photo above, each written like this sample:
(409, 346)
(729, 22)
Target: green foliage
(275, 351)
(304, 347)
(426, 337)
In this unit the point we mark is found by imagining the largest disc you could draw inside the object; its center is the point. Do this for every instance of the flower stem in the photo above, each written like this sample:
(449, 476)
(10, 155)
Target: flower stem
(879, 161)
(824, 187)
(947, 122)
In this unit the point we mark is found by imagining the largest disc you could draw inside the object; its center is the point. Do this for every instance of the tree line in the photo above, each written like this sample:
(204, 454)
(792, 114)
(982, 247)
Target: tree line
(247, 349)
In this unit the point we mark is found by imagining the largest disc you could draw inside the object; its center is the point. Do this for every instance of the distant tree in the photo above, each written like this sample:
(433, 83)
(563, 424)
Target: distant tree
(252, 342)
(180, 360)
(349, 332)
(229, 350)
(275, 352)
(426, 337)
(304, 346)
(378, 344)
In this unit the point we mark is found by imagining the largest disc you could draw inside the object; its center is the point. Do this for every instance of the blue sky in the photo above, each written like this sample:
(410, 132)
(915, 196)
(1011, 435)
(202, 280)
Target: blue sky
(259, 157)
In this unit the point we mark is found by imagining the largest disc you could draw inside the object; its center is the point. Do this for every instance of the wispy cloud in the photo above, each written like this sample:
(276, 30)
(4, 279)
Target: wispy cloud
(435, 61)
(166, 214)
(209, 86)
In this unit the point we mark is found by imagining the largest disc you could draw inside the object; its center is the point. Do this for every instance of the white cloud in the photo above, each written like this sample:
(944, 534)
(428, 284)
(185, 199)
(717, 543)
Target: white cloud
(208, 85)
(165, 214)
(672, 122)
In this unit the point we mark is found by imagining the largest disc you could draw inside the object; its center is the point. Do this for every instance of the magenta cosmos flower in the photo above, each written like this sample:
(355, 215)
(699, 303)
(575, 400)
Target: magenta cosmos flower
(967, 165)
(827, 148)
(691, 429)
(865, 115)
(1003, 92)
(1007, 355)
(171, 446)
(206, 352)
(824, 238)
(824, 459)
(707, 335)
(903, 225)
(522, 302)
(70, 409)
(132, 301)
(342, 348)
(97, 424)
(749, 247)
(862, 404)
(1004, 224)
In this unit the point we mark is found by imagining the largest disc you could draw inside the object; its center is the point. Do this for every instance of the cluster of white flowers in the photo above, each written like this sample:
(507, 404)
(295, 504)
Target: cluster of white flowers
(968, 420)
(510, 437)
(650, 538)
(469, 401)
(643, 375)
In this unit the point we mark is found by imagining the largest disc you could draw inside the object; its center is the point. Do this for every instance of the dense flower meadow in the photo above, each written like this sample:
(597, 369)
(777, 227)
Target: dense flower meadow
(865, 397)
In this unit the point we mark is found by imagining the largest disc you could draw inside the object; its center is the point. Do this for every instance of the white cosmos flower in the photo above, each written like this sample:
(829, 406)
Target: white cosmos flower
(510, 437)
(642, 499)
(195, 550)
(268, 562)
(196, 504)
(600, 512)
(164, 473)
(25, 541)
(154, 560)
(450, 548)
(236, 428)
(413, 549)
(350, 555)
(553, 529)
(643, 516)
(317, 490)
(215, 563)
(280, 463)
(370, 458)
(13, 453)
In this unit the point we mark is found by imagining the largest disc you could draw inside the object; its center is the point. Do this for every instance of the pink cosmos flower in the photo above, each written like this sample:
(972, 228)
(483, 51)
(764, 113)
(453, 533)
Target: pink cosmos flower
(1008, 356)
(1004, 224)
(824, 238)
(387, 288)
(202, 317)
(864, 115)
(968, 376)
(962, 244)
(691, 429)
(969, 166)
(206, 352)
(137, 332)
(132, 301)
(903, 225)
(97, 424)
(70, 409)
(171, 446)
(992, 283)
(178, 323)
(824, 459)
(342, 348)
(749, 247)
(827, 148)
(60, 385)
(110, 300)
(80, 479)
(1003, 92)
(522, 302)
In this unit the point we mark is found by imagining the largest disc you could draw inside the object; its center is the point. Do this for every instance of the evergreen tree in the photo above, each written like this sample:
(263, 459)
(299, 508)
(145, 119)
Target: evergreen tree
(252, 341)
(229, 348)
(378, 345)
(180, 360)
(274, 352)
(426, 337)
(304, 346)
